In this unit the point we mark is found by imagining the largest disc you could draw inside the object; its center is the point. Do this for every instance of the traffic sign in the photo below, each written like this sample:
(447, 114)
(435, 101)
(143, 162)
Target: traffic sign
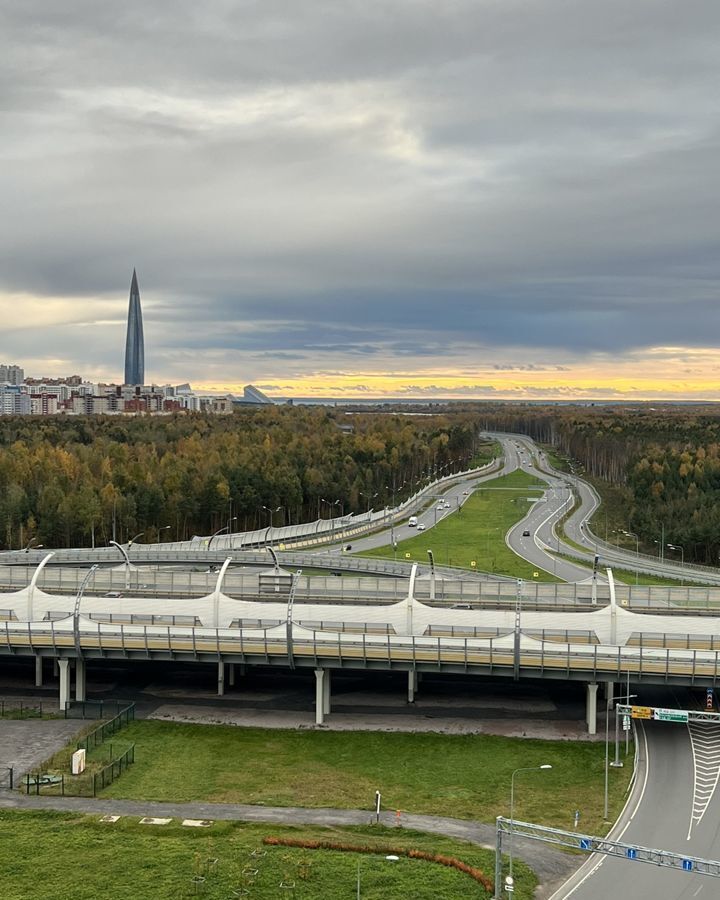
(631, 853)
(626, 723)
(585, 844)
(641, 712)
(670, 715)
(709, 703)
(687, 865)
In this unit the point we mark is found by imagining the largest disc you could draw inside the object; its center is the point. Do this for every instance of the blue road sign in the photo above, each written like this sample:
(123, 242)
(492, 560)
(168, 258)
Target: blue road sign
(687, 865)
(585, 844)
(631, 853)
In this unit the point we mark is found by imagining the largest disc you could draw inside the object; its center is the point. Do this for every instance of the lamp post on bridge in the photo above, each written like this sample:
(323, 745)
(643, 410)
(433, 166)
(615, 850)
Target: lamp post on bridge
(220, 531)
(682, 559)
(637, 551)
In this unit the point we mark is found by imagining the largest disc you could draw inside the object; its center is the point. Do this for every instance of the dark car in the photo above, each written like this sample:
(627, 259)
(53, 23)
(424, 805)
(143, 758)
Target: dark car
(526, 533)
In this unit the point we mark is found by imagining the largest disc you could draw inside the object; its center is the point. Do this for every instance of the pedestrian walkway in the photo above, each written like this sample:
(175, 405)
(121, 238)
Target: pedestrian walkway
(551, 866)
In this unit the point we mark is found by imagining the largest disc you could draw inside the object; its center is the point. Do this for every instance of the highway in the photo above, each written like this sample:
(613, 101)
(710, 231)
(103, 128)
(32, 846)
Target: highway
(679, 811)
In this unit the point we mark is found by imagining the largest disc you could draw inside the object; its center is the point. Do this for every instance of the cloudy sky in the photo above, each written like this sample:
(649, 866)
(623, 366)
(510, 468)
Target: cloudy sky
(480, 198)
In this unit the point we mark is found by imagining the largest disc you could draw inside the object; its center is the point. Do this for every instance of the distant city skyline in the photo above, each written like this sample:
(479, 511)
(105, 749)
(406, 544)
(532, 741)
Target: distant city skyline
(397, 199)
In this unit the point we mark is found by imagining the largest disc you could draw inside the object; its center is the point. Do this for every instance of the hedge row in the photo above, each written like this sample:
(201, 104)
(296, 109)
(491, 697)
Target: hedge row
(442, 860)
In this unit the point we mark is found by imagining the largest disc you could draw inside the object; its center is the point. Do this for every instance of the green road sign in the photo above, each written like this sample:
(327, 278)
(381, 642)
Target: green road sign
(670, 715)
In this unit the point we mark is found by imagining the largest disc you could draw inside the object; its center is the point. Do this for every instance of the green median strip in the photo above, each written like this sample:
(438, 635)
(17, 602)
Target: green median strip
(474, 536)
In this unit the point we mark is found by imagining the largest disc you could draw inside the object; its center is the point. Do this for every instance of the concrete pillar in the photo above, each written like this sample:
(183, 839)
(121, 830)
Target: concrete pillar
(609, 691)
(326, 693)
(231, 674)
(64, 668)
(221, 679)
(242, 669)
(319, 696)
(38, 670)
(56, 668)
(591, 708)
(80, 679)
(412, 685)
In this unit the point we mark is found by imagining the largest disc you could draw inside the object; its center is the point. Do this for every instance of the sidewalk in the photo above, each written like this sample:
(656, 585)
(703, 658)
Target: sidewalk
(552, 867)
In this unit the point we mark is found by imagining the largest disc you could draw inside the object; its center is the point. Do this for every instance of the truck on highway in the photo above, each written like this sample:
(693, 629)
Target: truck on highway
(412, 521)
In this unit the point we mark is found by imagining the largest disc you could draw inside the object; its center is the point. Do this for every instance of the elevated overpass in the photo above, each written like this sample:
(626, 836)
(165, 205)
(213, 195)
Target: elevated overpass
(300, 625)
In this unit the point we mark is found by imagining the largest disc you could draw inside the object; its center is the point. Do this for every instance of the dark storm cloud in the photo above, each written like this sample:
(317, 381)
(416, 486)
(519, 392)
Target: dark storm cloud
(383, 179)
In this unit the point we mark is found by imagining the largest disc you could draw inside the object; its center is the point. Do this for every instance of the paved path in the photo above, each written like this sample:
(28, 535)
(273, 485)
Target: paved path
(551, 867)
(26, 743)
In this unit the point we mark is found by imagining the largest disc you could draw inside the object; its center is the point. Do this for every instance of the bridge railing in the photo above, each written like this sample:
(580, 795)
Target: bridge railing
(372, 649)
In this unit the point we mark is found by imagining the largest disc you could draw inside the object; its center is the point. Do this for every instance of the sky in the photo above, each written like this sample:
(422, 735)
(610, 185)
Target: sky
(381, 198)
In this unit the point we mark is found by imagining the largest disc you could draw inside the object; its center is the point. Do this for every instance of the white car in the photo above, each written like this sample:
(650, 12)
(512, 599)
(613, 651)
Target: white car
(421, 527)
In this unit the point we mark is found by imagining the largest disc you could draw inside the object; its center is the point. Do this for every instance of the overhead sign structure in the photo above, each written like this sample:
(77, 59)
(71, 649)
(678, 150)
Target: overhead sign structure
(670, 715)
(591, 844)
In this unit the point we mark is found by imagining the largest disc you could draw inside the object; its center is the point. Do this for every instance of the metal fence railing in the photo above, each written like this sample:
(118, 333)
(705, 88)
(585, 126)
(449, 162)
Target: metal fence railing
(6, 778)
(100, 734)
(95, 709)
(21, 709)
(86, 785)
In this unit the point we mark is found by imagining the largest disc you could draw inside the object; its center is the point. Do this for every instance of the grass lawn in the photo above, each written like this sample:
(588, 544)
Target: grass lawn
(477, 531)
(467, 776)
(47, 855)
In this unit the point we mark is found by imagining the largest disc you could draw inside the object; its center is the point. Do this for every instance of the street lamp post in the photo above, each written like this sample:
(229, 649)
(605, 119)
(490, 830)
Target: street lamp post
(512, 802)
(270, 513)
(616, 763)
(432, 574)
(682, 558)
(127, 561)
(637, 551)
(220, 531)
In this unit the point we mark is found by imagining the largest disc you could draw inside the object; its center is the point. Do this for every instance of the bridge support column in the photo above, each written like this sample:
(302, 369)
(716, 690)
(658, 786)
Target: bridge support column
(231, 674)
(80, 679)
(38, 670)
(326, 693)
(319, 696)
(591, 708)
(412, 685)
(221, 679)
(609, 691)
(64, 668)
(242, 669)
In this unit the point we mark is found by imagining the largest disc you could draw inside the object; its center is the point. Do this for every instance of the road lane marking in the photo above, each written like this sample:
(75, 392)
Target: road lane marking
(705, 744)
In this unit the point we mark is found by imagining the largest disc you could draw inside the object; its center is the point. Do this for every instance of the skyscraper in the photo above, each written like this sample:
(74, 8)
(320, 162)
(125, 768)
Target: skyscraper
(134, 343)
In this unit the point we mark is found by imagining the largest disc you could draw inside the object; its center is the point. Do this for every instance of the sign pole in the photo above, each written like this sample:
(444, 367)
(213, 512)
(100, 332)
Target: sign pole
(498, 861)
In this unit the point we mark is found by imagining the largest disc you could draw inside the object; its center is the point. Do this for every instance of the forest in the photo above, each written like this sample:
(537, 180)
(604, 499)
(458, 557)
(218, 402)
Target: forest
(666, 458)
(81, 481)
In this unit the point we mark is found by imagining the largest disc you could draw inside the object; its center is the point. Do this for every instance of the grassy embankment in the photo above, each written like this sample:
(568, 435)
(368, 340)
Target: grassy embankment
(47, 855)
(465, 776)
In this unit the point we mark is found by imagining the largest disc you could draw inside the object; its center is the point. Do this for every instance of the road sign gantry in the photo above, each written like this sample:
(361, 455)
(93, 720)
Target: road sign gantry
(592, 844)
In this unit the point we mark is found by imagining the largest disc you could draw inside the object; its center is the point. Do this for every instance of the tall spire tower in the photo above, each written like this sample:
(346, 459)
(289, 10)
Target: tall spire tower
(134, 343)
